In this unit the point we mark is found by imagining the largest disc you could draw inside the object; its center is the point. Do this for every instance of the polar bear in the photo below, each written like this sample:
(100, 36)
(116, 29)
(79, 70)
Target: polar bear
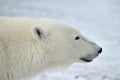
(30, 46)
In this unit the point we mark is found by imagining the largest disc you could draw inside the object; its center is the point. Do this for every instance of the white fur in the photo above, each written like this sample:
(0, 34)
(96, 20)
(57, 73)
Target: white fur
(23, 53)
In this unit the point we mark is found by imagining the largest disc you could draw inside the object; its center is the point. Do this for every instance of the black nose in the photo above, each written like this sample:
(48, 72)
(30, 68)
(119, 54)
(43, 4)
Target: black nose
(100, 50)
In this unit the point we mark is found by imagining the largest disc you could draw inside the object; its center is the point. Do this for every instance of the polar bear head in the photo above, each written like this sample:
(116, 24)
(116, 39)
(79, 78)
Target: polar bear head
(66, 45)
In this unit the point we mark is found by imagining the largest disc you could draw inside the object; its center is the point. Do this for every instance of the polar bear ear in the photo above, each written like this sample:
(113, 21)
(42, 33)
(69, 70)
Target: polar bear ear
(38, 33)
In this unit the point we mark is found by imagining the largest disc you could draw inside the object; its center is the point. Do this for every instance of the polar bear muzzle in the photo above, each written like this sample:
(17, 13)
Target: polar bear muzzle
(89, 58)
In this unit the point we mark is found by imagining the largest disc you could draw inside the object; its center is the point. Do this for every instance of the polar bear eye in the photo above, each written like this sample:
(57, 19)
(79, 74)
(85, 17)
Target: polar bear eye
(77, 38)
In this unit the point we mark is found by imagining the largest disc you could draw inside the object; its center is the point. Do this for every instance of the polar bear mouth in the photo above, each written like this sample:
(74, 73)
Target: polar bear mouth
(86, 60)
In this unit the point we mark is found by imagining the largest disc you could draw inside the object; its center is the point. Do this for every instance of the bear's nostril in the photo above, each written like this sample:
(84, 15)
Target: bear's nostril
(100, 50)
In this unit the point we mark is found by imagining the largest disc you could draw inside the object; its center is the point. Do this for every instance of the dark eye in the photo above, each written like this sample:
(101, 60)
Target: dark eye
(77, 38)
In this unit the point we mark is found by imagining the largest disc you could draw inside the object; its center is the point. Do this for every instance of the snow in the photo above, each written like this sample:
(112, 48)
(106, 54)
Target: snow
(98, 19)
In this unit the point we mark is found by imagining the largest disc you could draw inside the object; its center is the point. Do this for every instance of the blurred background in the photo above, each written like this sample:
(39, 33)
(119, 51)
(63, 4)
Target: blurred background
(97, 19)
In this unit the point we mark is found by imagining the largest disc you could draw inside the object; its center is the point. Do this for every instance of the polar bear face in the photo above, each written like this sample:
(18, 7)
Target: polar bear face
(67, 45)
(29, 46)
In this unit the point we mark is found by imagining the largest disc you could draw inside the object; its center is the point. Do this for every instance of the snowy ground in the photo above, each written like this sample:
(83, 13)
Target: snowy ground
(98, 19)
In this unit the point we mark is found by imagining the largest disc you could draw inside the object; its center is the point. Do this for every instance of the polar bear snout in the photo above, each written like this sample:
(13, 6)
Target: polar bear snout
(90, 57)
